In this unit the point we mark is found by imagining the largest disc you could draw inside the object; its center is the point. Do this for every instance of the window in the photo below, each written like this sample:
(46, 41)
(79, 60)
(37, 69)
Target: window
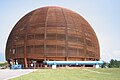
(72, 39)
(50, 50)
(39, 49)
(61, 49)
(51, 37)
(90, 54)
(89, 43)
(81, 52)
(61, 37)
(30, 49)
(39, 36)
(80, 39)
(72, 51)
(30, 37)
(20, 50)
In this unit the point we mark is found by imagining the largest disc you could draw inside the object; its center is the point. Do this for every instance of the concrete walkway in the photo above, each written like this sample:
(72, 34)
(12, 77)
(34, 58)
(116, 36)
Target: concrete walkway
(6, 74)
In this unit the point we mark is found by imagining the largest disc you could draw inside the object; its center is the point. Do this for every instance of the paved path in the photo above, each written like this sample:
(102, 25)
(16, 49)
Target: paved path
(6, 74)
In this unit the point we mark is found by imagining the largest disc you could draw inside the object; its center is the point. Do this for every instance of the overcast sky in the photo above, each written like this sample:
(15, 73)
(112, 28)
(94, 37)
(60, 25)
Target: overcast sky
(102, 15)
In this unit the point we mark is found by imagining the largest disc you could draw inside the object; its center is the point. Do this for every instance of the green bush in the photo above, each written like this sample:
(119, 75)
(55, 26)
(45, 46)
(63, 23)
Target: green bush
(3, 64)
(114, 64)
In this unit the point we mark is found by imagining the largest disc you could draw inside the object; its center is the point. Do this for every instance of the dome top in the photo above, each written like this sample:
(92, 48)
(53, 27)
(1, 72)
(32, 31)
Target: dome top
(51, 16)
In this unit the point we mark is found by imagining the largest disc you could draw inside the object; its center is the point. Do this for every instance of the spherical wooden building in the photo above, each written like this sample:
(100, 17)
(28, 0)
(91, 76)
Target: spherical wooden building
(52, 33)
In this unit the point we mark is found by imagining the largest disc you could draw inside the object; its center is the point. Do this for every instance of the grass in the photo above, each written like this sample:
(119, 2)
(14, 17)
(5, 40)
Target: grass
(3, 64)
(73, 74)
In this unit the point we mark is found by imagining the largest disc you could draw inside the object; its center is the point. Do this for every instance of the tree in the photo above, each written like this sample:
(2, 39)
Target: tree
(114, 64)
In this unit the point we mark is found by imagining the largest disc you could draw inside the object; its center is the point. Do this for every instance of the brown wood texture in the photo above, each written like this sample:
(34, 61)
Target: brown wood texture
(52, 33)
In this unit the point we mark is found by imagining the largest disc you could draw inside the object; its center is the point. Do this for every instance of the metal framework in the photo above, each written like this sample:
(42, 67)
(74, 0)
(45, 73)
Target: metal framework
(52, 33)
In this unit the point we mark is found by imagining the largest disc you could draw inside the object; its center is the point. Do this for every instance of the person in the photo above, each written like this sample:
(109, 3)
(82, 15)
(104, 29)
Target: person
(16, 62)
(31, 65)
(11, 64)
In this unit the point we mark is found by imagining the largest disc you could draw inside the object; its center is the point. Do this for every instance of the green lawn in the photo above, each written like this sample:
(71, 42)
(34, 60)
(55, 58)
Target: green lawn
(72, 74)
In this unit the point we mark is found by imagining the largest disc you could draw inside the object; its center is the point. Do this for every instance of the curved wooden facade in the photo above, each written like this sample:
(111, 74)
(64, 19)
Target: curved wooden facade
(52, 33)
